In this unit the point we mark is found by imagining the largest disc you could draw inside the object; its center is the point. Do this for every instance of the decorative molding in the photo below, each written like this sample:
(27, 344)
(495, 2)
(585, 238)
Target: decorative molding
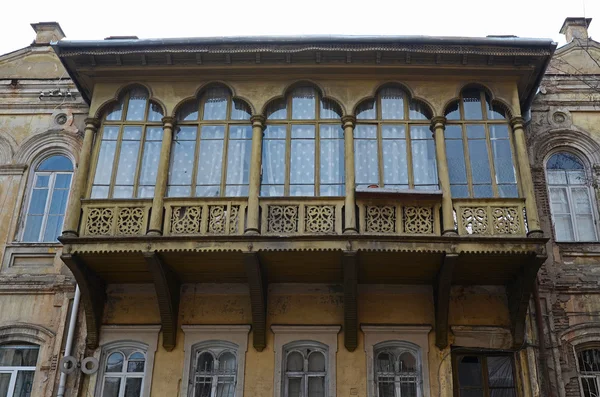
(487, 337)
(59, 142)
(194, 334)
(13, 169)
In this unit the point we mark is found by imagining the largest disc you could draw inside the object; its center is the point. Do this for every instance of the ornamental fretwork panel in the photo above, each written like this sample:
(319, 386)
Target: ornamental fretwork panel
(102, 218)
(194, 216)
(379, 217)
(313, 216)
(487, 217)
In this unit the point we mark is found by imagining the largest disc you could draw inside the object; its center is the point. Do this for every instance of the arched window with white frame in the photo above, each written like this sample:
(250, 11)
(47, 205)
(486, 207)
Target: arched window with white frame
(214, 371)
(305, 372)
(571, 200)
(123, 373)
(588, 366)
(397, 370)
(47, 199)
(17, 369)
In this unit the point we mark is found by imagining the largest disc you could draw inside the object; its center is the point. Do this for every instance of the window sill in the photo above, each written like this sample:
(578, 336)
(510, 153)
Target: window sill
(579, 247)
(386, 193)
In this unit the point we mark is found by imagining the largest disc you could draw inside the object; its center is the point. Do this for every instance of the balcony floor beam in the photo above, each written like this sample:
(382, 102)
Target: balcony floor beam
(519, 293)
(93, 296)
(257, 282)
(168, 288)
(441, 291)
(350, 270)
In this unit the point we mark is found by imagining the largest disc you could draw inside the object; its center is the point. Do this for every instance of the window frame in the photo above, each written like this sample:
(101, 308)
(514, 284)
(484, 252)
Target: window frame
(228, 122)
(572, 214)
(584, 374)
(14, 370)
(406, 122)
(288, 123)
(211, 348)
(456, 353)
(29, 196)
(123, 375)
(486, 122)
(204, 337)
(305, 374)
(403, 347)
(122, 123)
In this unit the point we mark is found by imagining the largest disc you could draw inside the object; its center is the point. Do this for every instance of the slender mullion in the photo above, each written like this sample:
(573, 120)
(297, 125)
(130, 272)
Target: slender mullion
(224, 159)
(482, 104)
(484, 374)
(572, 211)
(515, 163)
(196, 155)
(409, 162)
(380, 168)
(288, 156)
(115, 170)
(140, 156)
(488, 141)
(317, 181)
(51, 184)
(465, 142)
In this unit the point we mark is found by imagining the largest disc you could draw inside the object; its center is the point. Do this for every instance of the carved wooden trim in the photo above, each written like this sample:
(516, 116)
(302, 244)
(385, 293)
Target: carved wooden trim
(350, 269)
(519, 293)
(167, 288)
(441, 291)
(257, 283)
(93, 296)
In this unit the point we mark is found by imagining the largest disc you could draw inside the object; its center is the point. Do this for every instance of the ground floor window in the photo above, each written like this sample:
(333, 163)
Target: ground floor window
(484, 375)
(17, 369)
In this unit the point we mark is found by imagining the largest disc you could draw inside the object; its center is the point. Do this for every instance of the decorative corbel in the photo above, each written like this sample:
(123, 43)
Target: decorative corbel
(93, 296)
(350, 269)
(257, 282)
(441, 291)
(167, 287)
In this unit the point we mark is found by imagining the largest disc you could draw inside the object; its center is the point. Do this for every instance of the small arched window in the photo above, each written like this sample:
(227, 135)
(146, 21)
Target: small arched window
(570, 198)
(17, 369)
(305, 372)
(214, 373)
(394, 147)
(129, 149)
(397, 372)
(479, 147)
(303, 146)
(588, 365)
(212, 147)
(123, 373)
(48, 199)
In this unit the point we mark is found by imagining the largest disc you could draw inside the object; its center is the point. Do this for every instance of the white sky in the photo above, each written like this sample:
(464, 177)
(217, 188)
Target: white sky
(84, 20)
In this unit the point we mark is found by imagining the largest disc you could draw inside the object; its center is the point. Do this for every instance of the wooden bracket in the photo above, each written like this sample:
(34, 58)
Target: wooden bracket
(350, 269)
(93, 296)
(167, 287)
(257, 282)
(519, 293)
(441, 291)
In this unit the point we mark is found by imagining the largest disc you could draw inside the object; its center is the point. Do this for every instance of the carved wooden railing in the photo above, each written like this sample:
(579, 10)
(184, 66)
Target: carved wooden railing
(293, 216)
(204, 216)
(491, 217)
(399, 217)
(115, 217)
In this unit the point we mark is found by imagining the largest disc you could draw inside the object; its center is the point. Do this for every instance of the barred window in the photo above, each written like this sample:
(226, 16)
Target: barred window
(397, 372)
(305, 371)
(484, 375)
(214, 372)
(588, 363)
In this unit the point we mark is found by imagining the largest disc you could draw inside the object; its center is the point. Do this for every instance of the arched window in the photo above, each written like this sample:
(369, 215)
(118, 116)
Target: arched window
(588, 365)
(47, 199)
(17, 369)
(305, 372)
(570, 198)
(212, 147)
(129, 149)
(214, 372)
(303, 146)
(394, 147)
(123, 374)
(397, 372)
(479, 147)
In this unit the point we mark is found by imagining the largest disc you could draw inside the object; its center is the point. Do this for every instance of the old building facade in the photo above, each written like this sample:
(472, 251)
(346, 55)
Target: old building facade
(564, 148)
(41, 119)
(284, 217)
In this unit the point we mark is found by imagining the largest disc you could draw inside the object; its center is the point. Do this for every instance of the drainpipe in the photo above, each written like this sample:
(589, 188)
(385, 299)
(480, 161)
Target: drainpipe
(541, 341)
(70, 335)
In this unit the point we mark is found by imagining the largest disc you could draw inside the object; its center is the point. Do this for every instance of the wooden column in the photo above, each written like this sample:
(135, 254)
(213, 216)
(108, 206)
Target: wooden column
(160, 189)
(258, 285)
(350, 270)
(441, 290)
(348, 123)
(71, 226)
(438, 124)
(253, 216)
(525, 177)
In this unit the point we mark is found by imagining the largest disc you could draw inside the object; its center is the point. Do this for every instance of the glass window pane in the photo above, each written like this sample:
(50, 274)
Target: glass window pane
(295, 362)
(155, 112)
(392, 103)
(56, 163)
(330, 110)
(453, 111)
(480, 166)
(114, 363)
(210, 159)
(294, 387)
(273, 161)
(589, 360)
(585, 228)
(500, 372)
(4, 383)
(182, 158)
(203, 386)
(205, 362)
(576, 177)
(395, 165)
(472, 105)
(33, 227)
(459, 191)
(456, 161)
(227, 362)
(302, 156)
(423, 156)
(316, 386)
(469, 371)
(215, 105)
(386, 387)
(418, 111)
(564, 161)
(115, 111)
(136, 107)
(471, 392)
(502, 393)
(331, 156)
(133, 387)
(590, 387)
(277, 110)
(408, 388)
(366, 110)
(42, 180)
(63, 181)
(482, 191)
(316, 362)
(54, 225)
(407, 363)
(111, 387)
(238, 161)
(105, 163)
(127, 162)
(225, 386)
(188, 111)
(18, 356)
(366, 155)
(304, 103)
(508, 190)
(99, 192)
(240, 110)
(136, 364)
(150, 159)
(39, 197)
(503, 161)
